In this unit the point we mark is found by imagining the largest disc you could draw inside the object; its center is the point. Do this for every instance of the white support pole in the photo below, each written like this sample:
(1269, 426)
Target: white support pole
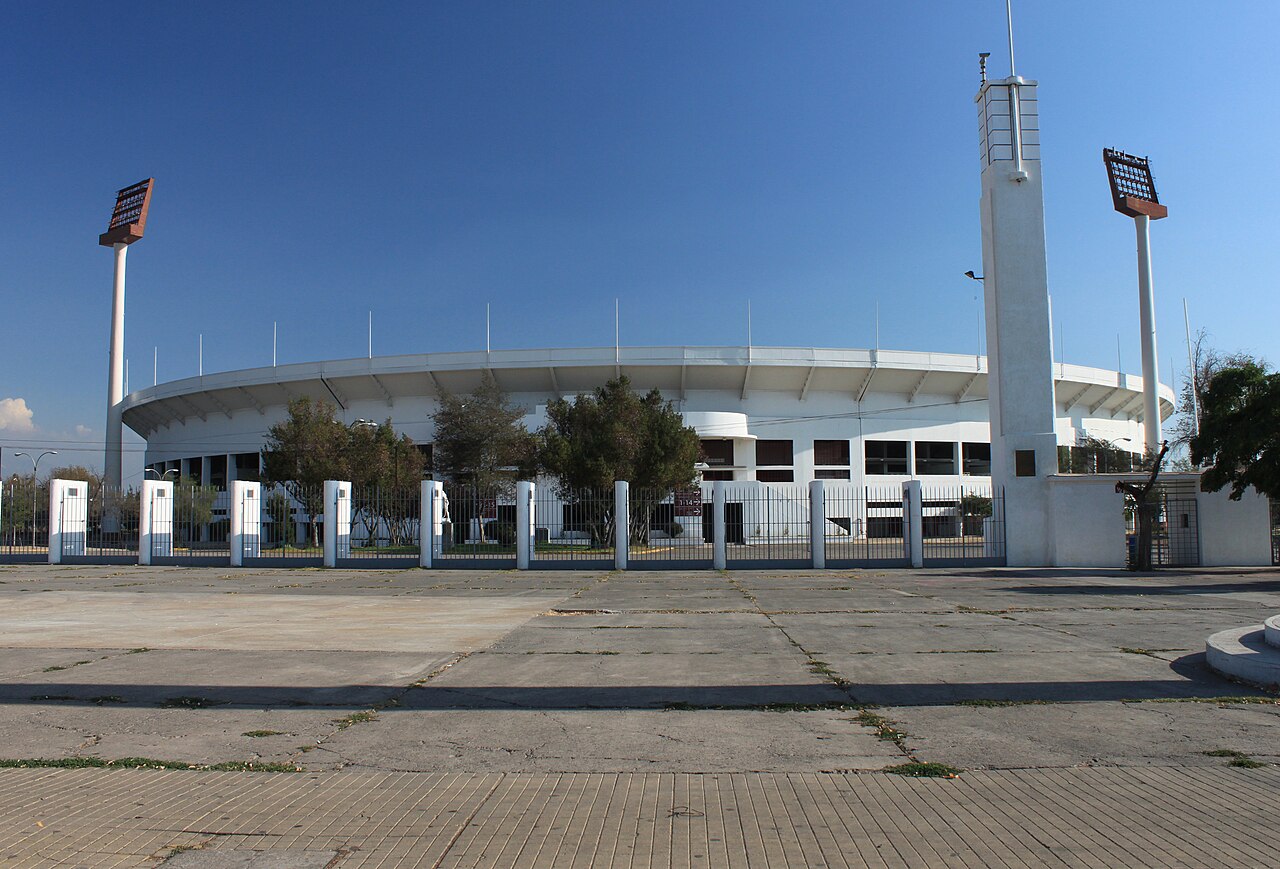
(719, 556)
(621, 523)
(1191, 372)
(115, 378)
(337, 521)
(818, 523)
(524, 524)
(155, 520)
(245, 538)
(913, 515)
(1147, 317)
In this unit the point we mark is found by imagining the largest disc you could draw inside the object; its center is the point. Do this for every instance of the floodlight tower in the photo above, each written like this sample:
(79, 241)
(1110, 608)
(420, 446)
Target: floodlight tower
(128, 220)
(1133, 193)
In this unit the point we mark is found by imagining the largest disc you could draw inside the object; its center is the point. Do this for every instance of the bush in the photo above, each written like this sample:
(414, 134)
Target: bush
(671, 529)
(501, 532)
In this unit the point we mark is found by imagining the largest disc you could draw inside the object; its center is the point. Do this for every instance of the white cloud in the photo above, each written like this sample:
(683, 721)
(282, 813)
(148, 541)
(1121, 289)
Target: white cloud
(15, 416)
(83, 431)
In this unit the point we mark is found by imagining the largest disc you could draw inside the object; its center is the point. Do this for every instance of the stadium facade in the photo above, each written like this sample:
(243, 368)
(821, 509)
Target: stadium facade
(768, 414)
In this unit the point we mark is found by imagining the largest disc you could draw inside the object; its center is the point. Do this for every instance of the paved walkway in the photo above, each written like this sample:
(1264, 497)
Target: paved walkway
(1079, 817)
(646, 719)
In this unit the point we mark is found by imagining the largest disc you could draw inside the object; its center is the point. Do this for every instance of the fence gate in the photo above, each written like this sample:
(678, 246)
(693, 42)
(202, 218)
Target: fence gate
(1176, 535)
(24, 521)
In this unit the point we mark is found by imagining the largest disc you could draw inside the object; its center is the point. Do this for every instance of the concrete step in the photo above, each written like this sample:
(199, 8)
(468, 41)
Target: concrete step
(1271, 629)
(1245, 654)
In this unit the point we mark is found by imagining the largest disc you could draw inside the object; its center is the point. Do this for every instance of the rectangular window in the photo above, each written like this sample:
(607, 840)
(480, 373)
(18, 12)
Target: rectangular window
(886, 457)
(830, 474)
(774, 453)
(775, 476)
(717, 452)
(977, 460)
(1024, 463)
(712, 476)
(247, 466)
(935, 457)
(831, 453)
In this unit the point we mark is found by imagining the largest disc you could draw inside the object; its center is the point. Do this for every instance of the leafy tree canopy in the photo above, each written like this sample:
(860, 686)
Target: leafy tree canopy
(617, 434)
(1239, 439)
(480, 440)
(306, 449)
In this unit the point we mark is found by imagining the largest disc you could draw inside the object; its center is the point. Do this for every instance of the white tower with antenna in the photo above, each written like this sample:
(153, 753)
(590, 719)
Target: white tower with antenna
(1024, 446)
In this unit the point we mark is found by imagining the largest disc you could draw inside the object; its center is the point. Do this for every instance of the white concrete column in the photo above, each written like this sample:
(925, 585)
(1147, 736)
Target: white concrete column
(913, 515)
(524, 524)
(621, 524)
(232, 476)
(1147, 322)
(337, 521)
(68, 518)
(818, 523)
(431, 523)
(719, 553)
(155, 520)
(245, 513)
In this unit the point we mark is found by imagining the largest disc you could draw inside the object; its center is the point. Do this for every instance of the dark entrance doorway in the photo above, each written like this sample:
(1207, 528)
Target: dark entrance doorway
(734, 523)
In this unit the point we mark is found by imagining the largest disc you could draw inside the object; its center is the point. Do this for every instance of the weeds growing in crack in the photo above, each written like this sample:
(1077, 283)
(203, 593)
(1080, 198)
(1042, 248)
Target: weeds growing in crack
(883, 728)
(917, 769)
(144, 763)
(1238, 758)
(190, 703)
(1150, 653)
(363, 717)
(259, 734)
(983, 702)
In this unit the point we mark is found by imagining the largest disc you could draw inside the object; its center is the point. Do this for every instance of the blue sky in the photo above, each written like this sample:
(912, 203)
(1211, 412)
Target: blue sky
(315, 161)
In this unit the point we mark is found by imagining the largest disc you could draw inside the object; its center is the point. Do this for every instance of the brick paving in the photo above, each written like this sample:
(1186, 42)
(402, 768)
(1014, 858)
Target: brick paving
(1087, 817)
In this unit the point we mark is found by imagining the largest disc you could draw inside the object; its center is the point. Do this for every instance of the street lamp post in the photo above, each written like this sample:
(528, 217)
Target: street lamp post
(35, 486)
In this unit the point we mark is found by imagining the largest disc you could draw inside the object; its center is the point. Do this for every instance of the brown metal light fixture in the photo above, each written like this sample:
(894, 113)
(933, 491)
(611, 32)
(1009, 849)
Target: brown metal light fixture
(1133, 190)
(129, 217)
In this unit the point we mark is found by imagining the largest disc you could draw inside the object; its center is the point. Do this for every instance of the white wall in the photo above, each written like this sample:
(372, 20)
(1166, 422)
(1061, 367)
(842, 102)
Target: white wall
(1087, 522)
(1234, 533)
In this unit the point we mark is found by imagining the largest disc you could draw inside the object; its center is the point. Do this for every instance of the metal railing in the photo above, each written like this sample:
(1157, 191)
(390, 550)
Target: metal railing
(670, 529)
(962, 525)
(195, 530)
(479, 526)
(1275, 531)
(767, 524)
(865, 527)
(385, 523)
(100, 523)
(574, 528)
(24, 519)
(1175, 537)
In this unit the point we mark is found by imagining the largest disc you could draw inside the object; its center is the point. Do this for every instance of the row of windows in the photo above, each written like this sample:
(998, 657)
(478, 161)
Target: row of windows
(831, 458)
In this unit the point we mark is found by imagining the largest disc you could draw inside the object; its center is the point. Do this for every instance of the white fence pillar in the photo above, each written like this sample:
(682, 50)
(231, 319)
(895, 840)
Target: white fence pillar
(525, 518)
(913, 515)
(337, 521)
(719, 555)
(621, 523)
(155, 520)
(68, 518)
(245, 513)
(435, 506)
(818, 523)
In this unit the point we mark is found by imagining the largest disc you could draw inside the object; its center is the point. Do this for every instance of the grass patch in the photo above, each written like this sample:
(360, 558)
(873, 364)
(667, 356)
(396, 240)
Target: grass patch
(259, 734)
(55, 668)
(1223, 701)
(354, 718)
(56, 698)
(1238, 758)
(681, 706)
(1150, 653)
(984, 703)
(960, 652)
(918, 769)
(190, 703)
(107, 698)
(883, 728)
(143, 763)
(137, 651)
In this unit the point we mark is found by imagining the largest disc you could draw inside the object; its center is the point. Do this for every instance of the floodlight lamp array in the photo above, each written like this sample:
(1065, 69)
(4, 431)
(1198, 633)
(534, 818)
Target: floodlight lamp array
(1133, 189)
(129, 217)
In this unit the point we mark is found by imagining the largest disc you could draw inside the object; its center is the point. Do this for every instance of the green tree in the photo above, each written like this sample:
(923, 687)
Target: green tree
(616, 434)
(1239, 439)
(1146, 502)
(386, 472)
(481, 448)
(192, 509)
(279, 507)
(1206, 363)
(309, 447)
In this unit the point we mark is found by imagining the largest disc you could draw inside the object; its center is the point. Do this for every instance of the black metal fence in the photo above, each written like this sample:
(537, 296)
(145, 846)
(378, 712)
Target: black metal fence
(195, 529)
(24, 519)
(573, 529)
(962, 526)
(865, 527)
(669, 529)
(99, 523)
(479, 527)
(1275, 531)
(1176, 533)
(385, 524)
(767, 525)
